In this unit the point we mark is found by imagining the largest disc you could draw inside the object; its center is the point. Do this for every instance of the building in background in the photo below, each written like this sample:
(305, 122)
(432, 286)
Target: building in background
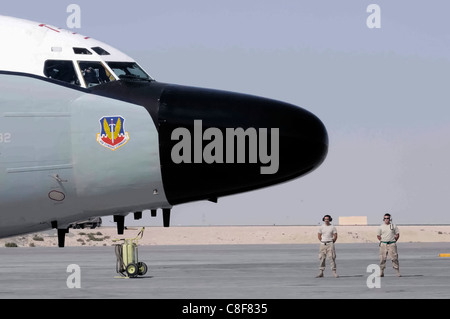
(352, 220)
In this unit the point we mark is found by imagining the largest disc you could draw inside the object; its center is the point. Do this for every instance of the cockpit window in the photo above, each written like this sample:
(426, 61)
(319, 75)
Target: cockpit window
(81, 51)
(129, 71)
(61, 70)
(95, 73)
(100, 51)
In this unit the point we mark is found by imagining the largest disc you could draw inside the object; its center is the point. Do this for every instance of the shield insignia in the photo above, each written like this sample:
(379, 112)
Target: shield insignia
(112, 133)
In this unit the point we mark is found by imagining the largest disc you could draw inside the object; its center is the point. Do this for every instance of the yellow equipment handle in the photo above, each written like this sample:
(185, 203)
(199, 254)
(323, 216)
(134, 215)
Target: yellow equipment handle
(138, 236)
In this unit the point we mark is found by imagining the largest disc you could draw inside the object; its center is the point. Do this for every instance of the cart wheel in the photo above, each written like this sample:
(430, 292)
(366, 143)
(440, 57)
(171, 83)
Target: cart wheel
(142, 268)
(132, 270)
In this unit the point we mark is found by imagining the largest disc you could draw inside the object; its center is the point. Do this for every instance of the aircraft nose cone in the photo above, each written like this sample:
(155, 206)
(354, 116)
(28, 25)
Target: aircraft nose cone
(216, 143)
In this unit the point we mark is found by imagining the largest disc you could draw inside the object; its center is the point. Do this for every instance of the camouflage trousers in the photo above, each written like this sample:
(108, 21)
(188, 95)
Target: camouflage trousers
(327, 250)
(391, 250)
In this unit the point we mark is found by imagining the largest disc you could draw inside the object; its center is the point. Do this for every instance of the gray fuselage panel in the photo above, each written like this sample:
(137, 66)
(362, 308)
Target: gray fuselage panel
(66, 155)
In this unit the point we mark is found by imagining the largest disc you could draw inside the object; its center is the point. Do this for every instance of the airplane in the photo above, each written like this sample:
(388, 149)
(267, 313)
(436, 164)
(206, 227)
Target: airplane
(86, 132)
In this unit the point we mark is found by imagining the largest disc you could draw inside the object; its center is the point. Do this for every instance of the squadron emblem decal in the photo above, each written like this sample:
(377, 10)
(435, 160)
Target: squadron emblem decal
(112, 134)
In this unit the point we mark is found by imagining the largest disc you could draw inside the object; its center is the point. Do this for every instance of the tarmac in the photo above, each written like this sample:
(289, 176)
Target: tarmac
(226, 272)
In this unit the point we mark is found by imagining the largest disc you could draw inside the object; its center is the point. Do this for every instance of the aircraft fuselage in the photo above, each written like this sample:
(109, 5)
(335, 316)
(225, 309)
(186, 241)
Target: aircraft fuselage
(85, 132)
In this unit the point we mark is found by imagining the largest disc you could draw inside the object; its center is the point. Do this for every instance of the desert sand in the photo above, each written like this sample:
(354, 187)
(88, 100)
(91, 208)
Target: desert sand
(224, 235)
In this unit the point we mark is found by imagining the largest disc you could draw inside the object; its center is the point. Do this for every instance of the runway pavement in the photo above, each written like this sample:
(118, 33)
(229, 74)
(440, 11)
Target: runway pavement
(224, 272)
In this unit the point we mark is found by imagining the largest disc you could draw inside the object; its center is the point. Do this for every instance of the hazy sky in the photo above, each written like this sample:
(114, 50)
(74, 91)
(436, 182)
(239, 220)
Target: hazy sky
(382, 93)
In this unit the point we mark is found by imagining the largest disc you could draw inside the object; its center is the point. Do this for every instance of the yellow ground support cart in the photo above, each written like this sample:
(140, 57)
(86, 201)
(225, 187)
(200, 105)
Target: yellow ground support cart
(128, 264)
